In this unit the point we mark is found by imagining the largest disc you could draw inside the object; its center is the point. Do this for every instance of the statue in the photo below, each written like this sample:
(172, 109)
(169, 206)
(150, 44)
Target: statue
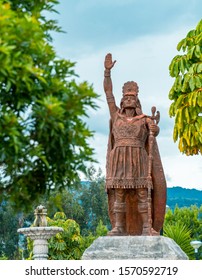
(135, 180)
(40, 216)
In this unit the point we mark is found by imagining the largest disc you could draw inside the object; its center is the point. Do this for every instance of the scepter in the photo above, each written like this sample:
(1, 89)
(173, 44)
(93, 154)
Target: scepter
(155, 119)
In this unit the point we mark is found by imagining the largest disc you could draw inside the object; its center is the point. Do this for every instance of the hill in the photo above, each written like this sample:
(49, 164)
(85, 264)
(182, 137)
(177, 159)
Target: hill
(183, 197)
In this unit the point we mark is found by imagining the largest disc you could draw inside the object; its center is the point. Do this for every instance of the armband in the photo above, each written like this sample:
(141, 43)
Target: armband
(107, 73)
(110, 99)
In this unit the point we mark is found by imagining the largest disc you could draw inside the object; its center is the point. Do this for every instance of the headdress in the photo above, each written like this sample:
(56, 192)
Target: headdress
(129, 88)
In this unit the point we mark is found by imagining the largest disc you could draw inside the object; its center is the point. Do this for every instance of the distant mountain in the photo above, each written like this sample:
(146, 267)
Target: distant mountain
(179, 196)
(183, 197)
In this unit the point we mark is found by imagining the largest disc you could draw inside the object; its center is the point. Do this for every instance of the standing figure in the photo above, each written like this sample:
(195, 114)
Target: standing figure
(135, 180)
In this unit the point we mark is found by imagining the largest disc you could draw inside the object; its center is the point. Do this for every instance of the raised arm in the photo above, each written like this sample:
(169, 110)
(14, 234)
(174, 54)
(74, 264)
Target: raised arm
(108, 88)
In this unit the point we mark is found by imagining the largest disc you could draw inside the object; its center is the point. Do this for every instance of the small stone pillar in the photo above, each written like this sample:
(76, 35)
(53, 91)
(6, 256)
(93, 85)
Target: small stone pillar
(40, 249)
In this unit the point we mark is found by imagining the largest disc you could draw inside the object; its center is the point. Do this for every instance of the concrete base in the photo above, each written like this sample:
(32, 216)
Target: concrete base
(134, 247)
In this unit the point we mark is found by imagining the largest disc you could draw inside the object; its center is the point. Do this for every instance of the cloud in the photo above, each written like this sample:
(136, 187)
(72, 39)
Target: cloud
(183, 171)
(91, 25)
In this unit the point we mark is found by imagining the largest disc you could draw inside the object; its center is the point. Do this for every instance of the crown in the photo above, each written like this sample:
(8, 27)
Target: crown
(129, 88)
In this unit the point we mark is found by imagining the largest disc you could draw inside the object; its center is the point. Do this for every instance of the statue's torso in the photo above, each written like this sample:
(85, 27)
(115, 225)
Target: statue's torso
(128, 159)
(132, 131)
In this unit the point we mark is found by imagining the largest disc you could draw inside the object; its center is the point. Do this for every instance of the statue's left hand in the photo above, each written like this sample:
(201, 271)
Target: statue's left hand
(154, 129)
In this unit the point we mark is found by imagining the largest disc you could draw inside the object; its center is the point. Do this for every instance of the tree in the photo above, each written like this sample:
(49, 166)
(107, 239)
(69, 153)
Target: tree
(44, 139)
(9, 237)
(93, 199)
(66, 201)
(186, 93)
(70, 244)
(65, 245)
(189, 216)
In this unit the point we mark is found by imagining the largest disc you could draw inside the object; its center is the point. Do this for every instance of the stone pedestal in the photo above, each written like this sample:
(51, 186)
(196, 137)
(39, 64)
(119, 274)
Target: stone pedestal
(134, 247)
(40, 235)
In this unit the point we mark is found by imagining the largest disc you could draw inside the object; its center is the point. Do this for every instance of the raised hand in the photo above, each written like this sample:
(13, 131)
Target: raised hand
(108, 61)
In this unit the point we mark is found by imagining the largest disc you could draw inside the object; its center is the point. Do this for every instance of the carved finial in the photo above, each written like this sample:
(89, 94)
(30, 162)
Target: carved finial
(40, 216)
(154, 117)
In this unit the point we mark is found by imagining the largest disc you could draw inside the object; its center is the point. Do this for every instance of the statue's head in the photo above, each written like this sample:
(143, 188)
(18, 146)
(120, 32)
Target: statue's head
(130, 98)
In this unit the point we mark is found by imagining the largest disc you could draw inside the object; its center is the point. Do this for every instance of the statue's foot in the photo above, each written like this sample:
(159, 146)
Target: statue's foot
(117, 231)
(146, 231)
(154, 232)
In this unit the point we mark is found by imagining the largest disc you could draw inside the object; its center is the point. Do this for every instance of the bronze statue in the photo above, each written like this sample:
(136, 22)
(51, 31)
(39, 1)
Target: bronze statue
(135, 180)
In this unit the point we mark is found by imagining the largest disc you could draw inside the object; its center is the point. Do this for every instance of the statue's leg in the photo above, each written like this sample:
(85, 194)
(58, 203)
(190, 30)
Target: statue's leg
(111, 200)
(120, 213)
(142, 195)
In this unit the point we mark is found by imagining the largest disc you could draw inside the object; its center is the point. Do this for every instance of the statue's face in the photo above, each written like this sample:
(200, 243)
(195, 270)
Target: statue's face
(130, 100)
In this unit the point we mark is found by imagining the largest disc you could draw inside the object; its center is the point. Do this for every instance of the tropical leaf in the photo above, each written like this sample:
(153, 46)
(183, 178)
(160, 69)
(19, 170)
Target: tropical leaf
(181, 235)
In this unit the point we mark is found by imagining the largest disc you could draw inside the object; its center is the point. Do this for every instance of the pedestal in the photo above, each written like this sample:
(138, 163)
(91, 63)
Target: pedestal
(40, 235)
(134, 247)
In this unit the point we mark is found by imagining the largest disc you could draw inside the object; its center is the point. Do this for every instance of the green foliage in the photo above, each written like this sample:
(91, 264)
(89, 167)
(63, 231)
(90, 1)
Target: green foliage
(101, 229)
(185, 222)
(9, 222)
(191, 217)
(94, 200)
(186, 93)
(181, 235)
(3, 258)
(89, 237)
(65, 245)
(70, 244)
(43, 140)
(65, 201)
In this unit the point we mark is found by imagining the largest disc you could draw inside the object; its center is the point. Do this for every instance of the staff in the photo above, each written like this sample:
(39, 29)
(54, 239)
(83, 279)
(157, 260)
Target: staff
(155, 119)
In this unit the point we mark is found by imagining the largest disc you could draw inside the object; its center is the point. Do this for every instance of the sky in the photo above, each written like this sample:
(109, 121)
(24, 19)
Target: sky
(142, 36)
